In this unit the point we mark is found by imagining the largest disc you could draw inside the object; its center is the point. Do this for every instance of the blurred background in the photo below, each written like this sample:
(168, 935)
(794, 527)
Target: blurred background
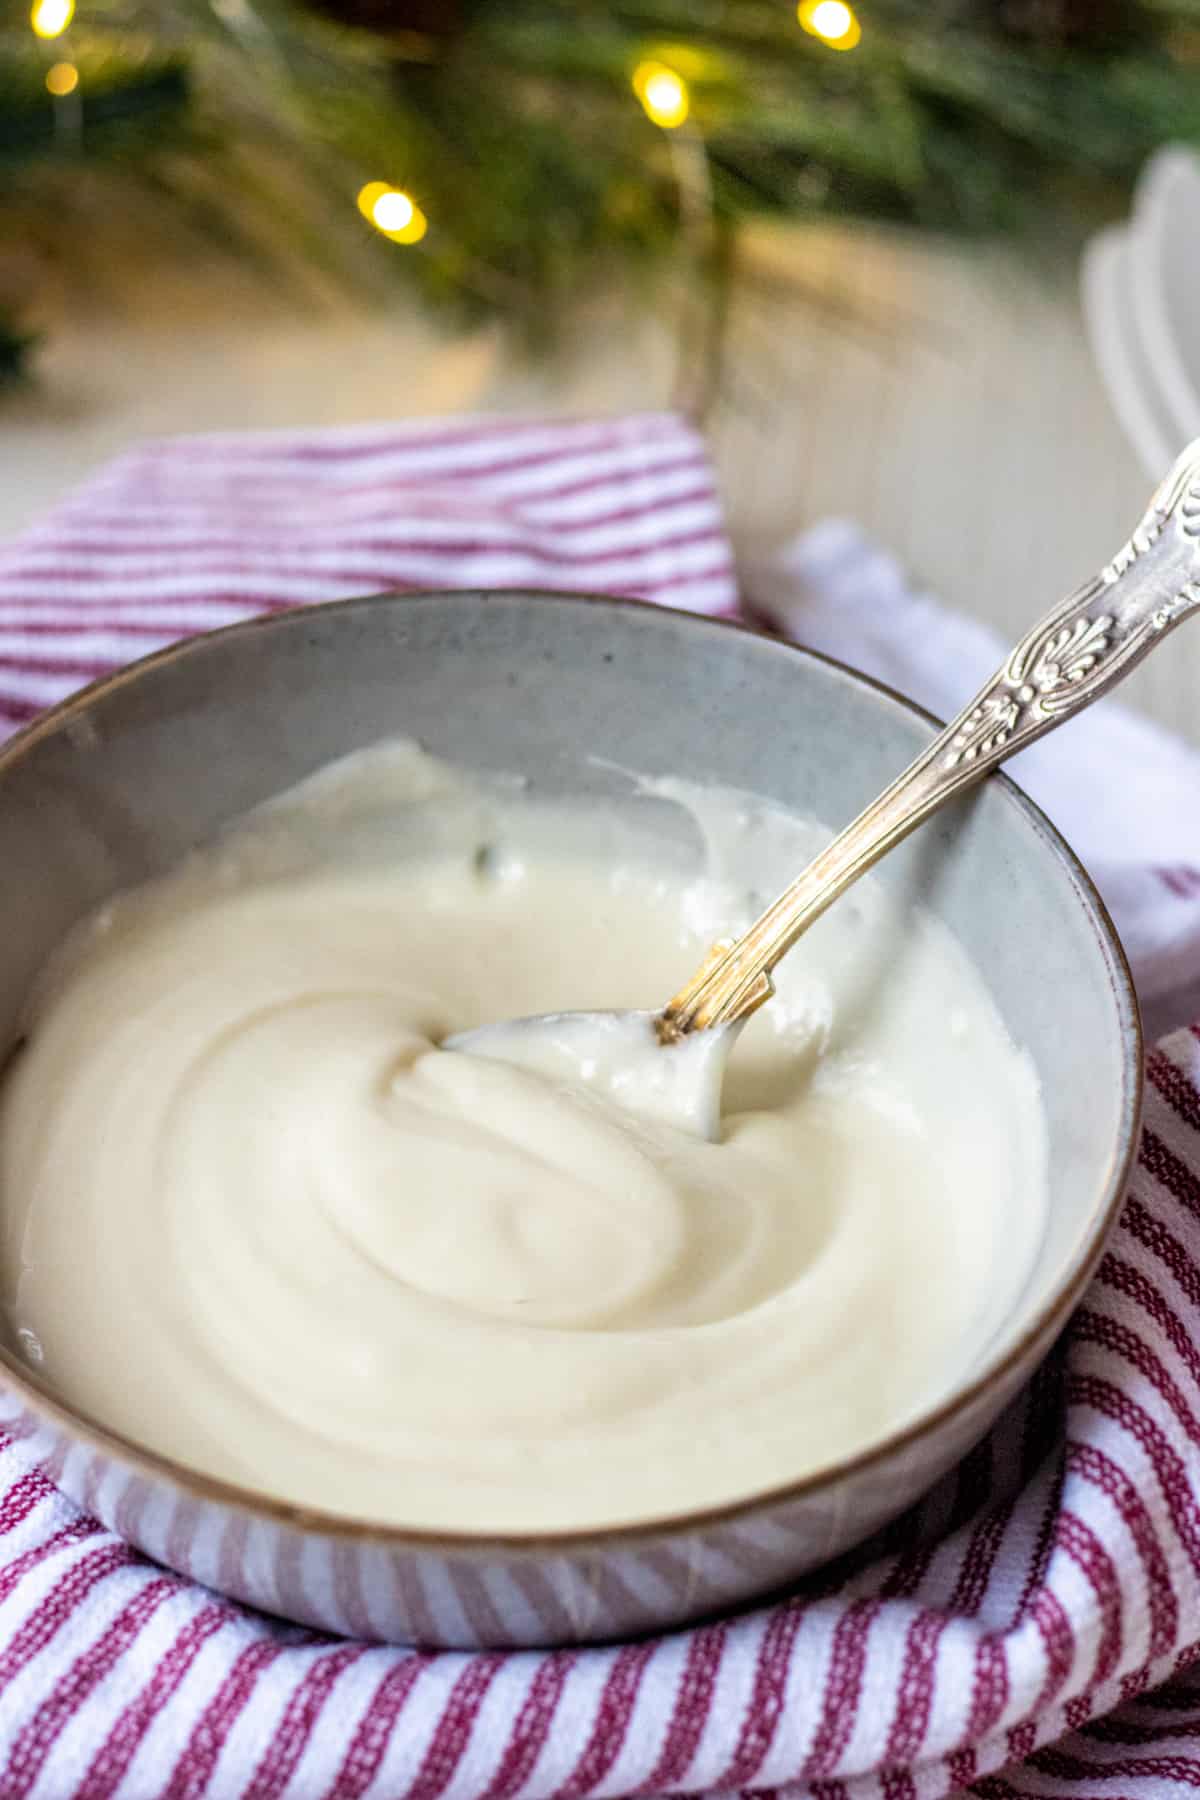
(929, 266)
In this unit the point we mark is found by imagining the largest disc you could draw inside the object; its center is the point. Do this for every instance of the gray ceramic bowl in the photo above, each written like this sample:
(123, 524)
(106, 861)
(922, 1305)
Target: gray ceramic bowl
(118, 783)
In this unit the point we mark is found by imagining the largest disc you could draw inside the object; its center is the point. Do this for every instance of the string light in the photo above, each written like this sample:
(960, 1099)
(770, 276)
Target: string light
(662, 93)
(50, 18)
(835, 23)
(62, 79)
(393, 212)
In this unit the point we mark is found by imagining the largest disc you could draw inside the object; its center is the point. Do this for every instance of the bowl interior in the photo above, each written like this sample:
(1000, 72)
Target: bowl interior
(118, 785)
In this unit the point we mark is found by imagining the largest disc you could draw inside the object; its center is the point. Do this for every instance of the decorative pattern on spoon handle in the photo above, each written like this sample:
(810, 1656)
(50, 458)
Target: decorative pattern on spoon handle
(1080, 650)
(1089, 642)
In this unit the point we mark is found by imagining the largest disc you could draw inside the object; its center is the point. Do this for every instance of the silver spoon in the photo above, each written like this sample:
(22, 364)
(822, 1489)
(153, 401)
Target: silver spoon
(670, 1064)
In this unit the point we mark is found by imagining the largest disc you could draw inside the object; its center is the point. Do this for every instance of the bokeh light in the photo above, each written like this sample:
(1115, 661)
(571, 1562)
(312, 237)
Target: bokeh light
(62, 79)
(50, 18)
(393, 212)
(835, 23)
(662, 93)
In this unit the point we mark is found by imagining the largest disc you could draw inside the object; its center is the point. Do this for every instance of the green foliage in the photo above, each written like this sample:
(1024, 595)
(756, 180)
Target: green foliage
(519, 133)
(127, 95)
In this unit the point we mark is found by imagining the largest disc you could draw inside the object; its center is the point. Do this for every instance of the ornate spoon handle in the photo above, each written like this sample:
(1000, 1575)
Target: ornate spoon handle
(1080, 650)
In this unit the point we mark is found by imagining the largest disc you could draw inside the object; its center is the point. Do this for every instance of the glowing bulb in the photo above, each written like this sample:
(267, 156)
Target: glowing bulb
(62, 79)
(50, 18)
(392, 212)
(662, 93)
(665, 100)
(832, 21)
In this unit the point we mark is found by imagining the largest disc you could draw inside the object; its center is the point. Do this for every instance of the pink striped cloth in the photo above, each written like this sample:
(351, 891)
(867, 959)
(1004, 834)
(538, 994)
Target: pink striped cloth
(183, 537)
(1037, 1615)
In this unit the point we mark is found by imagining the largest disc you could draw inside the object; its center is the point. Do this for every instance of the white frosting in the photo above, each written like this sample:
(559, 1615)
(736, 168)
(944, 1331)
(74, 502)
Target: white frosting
(619, 1055)
(255, 1219)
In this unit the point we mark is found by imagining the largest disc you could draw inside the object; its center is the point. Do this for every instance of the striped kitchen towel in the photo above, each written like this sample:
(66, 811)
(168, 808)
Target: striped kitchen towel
(186, 536)
(1029, 1632)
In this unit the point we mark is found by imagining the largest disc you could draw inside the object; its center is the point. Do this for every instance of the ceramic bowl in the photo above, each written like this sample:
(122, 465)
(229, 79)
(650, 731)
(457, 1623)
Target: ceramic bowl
(120, 782)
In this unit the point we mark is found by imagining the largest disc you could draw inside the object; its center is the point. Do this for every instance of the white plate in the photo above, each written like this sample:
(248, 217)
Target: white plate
(1106, 285)
(1164, 269)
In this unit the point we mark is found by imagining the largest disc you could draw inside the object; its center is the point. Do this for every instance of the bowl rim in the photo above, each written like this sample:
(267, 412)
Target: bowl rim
(154, 1466)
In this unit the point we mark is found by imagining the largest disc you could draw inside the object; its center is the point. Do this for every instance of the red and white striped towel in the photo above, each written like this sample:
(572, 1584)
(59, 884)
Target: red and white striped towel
(183, 537)
(1050, 1587)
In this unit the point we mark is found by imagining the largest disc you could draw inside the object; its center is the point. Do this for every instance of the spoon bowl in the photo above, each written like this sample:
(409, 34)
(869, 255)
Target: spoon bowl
(621, 1057)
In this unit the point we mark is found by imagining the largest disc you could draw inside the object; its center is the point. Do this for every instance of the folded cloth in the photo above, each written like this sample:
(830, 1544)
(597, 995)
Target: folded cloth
(1050, 1586)
(186, 536)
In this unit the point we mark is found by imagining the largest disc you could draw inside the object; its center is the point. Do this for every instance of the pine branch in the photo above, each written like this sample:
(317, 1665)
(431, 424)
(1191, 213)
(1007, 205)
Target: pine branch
(529, 153)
